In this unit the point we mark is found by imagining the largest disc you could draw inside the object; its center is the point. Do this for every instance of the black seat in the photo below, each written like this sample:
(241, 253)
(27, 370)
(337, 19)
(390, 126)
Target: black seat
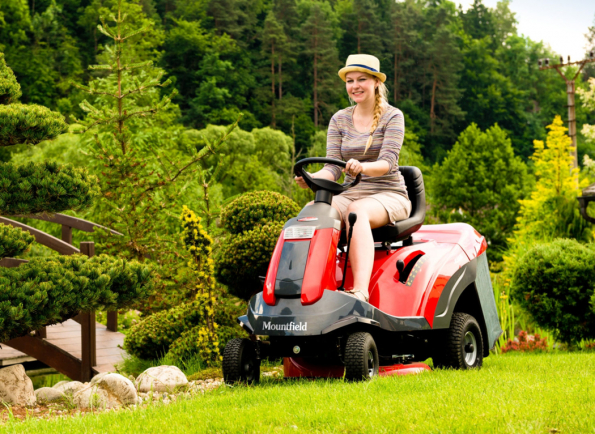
(402, 230)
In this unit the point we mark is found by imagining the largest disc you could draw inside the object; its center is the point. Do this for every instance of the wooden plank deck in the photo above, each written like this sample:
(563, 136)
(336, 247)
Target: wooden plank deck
(67, 336)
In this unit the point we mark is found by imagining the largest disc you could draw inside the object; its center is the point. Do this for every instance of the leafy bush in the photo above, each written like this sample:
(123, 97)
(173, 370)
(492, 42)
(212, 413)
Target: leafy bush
(13, 241)
(554, 282)
(242, 258)
(46, 291)
(255, 209)
(153, 336)
(38, 187)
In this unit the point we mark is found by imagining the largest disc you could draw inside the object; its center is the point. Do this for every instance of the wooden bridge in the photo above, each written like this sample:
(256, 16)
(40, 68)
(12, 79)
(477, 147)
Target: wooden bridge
(79, 347)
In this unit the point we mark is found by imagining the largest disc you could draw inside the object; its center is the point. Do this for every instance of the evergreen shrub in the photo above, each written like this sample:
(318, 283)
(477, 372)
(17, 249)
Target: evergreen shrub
(244, 257)
(187, 345)
(152, 337)
(255, 209)
(44, 187)
(46, 291)
(10, 89)
(13, 241)
(156, 334)
(554, 282)
(29, 124)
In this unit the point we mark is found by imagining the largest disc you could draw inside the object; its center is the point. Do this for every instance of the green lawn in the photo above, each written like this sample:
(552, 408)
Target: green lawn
(515, 393)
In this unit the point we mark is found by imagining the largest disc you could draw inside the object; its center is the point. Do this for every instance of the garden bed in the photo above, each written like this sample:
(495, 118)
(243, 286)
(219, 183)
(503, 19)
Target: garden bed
(545, 393)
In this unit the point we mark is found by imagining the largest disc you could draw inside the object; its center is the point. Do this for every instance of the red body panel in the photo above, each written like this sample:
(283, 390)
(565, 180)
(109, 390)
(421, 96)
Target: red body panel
(268, 292)
(320, 267)
(442, 250)
(296, 367)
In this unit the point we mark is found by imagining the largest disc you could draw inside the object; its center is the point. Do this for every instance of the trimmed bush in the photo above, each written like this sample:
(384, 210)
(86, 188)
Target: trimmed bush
(29, 124)
(187, 347)
(554, 282)
(37, 187)
(13, 241)
(10, 90)
(47, 291)
(152, 337)
(243, 258)
(255, 209)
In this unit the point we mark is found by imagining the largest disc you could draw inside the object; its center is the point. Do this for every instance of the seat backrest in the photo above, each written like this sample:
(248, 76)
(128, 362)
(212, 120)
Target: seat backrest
(403, 229)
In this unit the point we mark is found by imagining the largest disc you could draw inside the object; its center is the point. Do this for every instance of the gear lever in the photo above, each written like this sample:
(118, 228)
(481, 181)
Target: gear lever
(352, 219)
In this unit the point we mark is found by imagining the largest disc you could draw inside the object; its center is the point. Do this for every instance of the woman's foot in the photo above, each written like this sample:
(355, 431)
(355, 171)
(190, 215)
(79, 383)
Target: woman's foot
(360, 295)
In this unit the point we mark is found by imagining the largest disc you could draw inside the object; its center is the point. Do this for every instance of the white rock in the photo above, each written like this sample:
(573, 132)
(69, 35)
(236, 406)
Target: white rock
(45, 395)
(70, 387)
(60, 383)
(91, 397)
(161, 379)
(120, 389)
(15, 387)
(98, 377)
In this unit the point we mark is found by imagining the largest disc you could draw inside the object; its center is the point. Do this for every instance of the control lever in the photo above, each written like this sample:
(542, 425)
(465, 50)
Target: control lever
(400, 268)
(352, 219)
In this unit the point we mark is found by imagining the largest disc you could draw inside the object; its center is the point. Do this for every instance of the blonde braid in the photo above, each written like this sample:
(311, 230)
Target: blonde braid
(379, 103)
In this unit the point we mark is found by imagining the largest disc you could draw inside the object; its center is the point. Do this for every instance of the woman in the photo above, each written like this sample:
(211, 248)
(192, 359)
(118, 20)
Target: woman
(368, 135)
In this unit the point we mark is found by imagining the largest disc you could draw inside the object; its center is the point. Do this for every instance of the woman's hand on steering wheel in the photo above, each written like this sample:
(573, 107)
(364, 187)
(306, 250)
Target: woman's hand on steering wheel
(300, 182)
(353, 168)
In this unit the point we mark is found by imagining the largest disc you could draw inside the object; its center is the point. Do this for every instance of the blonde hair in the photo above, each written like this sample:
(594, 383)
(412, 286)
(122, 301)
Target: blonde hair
(381, 102)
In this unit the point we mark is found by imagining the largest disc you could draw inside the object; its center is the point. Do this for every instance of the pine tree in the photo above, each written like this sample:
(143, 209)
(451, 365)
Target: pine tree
(138, 180)
(321, 53)
(274, 44)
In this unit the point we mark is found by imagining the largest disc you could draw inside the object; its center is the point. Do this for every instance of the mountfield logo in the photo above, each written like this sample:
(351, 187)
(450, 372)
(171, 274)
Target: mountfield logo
(291, 327)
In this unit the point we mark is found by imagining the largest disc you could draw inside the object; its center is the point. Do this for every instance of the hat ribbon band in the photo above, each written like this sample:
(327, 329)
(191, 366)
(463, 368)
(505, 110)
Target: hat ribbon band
(363, 66)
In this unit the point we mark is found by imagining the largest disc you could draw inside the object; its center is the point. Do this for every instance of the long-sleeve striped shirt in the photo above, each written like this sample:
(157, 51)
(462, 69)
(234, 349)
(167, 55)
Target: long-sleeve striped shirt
(345, 142)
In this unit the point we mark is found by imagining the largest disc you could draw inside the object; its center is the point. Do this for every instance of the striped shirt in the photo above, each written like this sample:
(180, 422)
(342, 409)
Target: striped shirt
(344, 142)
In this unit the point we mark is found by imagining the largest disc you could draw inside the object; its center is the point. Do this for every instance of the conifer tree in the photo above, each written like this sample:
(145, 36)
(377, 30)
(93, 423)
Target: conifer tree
(274, 44)
(321, 54)
(140, 169)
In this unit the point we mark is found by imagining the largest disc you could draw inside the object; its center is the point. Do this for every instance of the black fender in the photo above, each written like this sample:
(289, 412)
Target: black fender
(470, 290)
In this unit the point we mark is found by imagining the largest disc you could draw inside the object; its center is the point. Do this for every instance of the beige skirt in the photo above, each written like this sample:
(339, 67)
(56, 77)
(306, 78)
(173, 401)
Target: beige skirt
(396, 205)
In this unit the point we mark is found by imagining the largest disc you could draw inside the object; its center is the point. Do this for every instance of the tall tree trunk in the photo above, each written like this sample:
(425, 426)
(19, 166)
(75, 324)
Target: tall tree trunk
(359, 29)
(280, 77)
(273, 122)
(395, 92)
(433, 105)
(315, 83)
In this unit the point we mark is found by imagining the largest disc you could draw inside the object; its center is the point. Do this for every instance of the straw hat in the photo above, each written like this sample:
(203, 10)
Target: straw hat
(362, 63)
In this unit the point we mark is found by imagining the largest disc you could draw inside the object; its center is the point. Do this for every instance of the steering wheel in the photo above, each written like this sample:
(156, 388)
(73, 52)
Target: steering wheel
(316, 184)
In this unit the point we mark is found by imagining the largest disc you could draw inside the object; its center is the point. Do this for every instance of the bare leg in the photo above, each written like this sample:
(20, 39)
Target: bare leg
(370, 214)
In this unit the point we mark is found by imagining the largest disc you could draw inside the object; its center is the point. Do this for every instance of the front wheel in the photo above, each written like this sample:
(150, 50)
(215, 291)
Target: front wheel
(361, 357)
(240, 364)
(462, 347)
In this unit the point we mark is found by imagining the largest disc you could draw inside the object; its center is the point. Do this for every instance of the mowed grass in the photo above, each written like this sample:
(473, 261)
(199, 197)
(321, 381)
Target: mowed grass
(538, 393)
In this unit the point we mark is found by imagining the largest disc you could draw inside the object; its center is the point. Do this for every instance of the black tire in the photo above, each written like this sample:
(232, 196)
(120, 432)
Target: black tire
(462, 345)
(240, 364)
(361, 357)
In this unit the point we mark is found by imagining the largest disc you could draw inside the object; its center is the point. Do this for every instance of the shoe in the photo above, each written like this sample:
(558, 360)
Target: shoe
(357, 294)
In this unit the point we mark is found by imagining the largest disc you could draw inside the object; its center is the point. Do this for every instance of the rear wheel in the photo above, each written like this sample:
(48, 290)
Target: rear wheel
(462, 346)
(361, 357)
(240, 363)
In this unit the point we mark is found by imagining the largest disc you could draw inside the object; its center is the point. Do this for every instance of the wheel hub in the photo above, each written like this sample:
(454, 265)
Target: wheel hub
(470, 348)
(370, 364)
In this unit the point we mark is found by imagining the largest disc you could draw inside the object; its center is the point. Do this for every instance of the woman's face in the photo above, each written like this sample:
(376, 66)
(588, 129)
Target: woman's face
(360, 86)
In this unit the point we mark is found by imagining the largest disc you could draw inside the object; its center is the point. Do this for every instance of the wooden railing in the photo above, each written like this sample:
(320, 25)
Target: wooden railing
(35, 346)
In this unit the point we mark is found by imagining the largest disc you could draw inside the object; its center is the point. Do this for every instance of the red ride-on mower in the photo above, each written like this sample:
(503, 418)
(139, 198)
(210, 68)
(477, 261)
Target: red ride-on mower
(430, 296)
